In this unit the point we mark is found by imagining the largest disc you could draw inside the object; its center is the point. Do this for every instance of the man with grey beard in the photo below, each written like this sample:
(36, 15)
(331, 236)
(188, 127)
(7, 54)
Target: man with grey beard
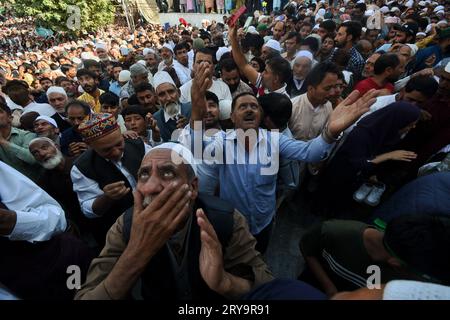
(173, 114)
(56, 178)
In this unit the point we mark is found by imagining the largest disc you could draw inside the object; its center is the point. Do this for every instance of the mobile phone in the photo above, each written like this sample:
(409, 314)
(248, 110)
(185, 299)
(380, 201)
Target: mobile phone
(235, 17)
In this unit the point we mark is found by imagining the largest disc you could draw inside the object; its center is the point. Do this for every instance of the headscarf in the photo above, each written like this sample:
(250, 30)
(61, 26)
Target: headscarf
(381, 128)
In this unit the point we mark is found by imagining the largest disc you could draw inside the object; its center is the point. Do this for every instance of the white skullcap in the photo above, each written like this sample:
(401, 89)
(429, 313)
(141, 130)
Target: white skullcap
(442, 22)
(76, 60)
(220, 52)
(384, 9)
(101, 45)
(438, 8)
(409, 4)
(124, 75)
(86, 56)
(304, 53)
(273, 44)
(395, 9)
(142, 62)
(168, 46)
(321, 12)
(180, 154)
(55, 89)
(124, 51)
(42, 138)
(162, 77)
(147, 51)
(47, 119)
(391, 20)
(225, 109)
(261, 18)
(422, 3)
(361, 1)
(447, 67)
(415, 290)
(423, 34)
(252, 30)
(413, 48)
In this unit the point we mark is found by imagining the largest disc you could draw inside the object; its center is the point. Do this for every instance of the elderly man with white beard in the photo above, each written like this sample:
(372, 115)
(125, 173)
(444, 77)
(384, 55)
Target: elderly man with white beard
(57, 98)
(173, 114)
(56, 179)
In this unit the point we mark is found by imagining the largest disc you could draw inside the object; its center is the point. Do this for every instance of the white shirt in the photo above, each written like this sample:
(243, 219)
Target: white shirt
(191, 55)
(307, 122)
(219, 88)
(88, 190)
(39, 216)
(44, 109)
(282, 90)
(182, 74)
(11, 104)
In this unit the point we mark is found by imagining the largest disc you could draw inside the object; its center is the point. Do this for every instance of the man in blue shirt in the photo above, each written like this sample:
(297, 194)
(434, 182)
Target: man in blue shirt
(244, 162)
(431, 56)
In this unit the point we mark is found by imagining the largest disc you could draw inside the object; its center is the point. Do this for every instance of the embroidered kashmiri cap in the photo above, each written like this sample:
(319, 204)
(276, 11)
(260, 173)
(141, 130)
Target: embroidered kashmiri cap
(97, 126)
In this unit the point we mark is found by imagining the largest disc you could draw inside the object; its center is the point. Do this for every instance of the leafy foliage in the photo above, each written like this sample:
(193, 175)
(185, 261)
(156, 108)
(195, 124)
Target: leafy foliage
(54, 14)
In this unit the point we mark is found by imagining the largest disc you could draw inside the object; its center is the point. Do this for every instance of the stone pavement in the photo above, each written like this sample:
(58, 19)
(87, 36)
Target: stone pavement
(283, 254)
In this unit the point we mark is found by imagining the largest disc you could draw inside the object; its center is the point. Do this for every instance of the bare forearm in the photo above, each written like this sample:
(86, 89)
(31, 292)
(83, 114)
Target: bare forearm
(8, 221)
(124, 275)
(250, 73)
(198, 107)
(380, 158)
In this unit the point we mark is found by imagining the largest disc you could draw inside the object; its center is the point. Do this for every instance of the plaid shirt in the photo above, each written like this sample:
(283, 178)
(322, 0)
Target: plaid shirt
(355, 64)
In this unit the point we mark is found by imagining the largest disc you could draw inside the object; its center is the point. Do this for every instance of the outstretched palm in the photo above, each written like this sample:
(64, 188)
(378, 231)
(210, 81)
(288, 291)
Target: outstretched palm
(350, 110)
(211, 258)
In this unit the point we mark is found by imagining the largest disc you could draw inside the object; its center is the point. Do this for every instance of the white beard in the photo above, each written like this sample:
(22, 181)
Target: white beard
(172, 109)
(53, 162)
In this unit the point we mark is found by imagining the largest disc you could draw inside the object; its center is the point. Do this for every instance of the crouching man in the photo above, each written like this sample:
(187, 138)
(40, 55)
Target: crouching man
(180, 244)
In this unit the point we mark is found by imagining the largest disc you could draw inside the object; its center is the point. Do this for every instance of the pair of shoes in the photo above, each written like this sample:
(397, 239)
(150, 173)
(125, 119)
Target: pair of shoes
(362, 192)
(369, 193)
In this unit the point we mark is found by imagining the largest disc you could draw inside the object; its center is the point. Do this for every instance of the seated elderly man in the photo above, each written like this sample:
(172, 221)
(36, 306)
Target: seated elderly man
(179, 243)
(56, 177)
(105, 175)
(35, 253)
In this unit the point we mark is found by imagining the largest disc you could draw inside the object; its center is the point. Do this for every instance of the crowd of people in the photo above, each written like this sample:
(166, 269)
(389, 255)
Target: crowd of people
(161, 157)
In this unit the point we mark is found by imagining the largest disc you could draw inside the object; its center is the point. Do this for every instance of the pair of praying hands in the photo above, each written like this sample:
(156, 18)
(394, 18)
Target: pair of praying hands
(154, 224)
